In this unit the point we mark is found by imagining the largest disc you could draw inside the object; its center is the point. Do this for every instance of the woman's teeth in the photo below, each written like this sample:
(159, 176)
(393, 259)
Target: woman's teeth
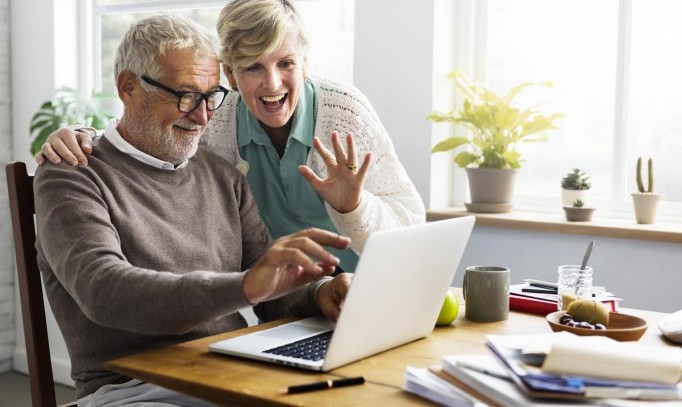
(278, 99)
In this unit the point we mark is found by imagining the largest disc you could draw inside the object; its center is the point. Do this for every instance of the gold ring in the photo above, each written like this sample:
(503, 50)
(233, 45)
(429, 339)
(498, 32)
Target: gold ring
(352, 167)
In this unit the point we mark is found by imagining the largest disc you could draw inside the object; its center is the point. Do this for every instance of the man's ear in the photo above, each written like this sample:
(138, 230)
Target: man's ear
(127, 85)
(227, 70)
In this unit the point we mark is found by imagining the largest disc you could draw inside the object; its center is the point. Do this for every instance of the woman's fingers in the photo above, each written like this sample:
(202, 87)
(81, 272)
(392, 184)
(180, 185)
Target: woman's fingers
(350, 147)
(49, 152)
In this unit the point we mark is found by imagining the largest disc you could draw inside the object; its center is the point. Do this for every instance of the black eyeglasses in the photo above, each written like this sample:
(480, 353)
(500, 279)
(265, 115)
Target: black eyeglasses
(188, 101)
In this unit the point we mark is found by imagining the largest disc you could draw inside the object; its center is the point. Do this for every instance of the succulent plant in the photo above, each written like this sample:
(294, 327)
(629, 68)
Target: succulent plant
(640, 184)
(578, 203)
(576, 180)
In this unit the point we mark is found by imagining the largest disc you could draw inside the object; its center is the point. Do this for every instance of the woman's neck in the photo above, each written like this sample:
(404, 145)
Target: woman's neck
(278, 136)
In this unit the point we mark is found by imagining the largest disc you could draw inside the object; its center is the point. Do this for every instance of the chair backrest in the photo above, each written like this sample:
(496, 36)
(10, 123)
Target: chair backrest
(20, 187)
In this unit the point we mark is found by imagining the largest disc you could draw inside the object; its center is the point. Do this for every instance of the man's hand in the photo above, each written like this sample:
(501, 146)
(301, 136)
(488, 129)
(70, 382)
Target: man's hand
(290, 262)
(331, 295)
(343, 185)
(68, 145)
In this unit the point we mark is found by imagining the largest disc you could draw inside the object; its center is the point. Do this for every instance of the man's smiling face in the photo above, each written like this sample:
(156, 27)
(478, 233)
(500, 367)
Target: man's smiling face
(155, 125)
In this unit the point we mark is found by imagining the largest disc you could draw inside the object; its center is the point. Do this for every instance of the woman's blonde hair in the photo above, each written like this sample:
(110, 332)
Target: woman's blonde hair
(250, 28)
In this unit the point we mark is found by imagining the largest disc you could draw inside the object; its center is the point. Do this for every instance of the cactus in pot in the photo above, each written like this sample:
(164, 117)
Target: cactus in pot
(640, 184)
(645, 200)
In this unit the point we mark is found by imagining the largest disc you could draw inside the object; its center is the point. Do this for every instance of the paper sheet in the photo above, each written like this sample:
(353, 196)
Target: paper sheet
(606, 358)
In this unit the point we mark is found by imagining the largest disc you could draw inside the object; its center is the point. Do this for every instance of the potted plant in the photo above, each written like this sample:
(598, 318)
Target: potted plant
(578, 212)
(645, 200)
(575, 185)
(489, 150)
(67, 107)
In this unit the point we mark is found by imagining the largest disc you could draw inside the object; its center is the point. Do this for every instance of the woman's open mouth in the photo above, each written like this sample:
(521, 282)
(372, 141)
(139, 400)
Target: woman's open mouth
(273, 102)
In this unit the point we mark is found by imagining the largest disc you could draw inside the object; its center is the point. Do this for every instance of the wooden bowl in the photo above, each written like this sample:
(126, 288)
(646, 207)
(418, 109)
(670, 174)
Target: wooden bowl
(622, 327)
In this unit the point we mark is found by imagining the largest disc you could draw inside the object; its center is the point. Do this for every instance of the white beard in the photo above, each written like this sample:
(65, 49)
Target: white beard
(152, 138)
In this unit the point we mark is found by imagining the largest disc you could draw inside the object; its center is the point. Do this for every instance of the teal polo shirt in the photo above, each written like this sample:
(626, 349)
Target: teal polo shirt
(286, 201)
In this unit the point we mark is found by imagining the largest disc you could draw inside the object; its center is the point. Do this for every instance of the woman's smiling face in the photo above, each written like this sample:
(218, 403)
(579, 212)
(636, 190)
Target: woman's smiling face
(270, 85)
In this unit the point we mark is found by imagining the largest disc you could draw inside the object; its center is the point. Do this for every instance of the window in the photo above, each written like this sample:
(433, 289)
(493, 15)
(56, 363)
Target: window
(615, 72)
(329, 24)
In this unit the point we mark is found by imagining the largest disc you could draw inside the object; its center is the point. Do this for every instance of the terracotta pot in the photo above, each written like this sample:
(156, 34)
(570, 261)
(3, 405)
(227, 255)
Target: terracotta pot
(575, 214)
(645, 204)
(491, 185)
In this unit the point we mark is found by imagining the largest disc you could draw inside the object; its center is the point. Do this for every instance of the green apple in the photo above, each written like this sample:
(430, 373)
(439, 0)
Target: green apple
(448, 313)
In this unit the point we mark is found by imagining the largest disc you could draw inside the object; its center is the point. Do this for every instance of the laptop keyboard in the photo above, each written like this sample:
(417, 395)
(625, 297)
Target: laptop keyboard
(313, 348)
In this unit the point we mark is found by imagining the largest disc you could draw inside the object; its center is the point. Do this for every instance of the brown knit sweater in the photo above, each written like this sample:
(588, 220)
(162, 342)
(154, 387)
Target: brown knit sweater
(135, 257)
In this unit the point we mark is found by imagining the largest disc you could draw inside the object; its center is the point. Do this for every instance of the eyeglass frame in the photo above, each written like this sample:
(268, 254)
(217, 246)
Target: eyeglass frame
(181, 94)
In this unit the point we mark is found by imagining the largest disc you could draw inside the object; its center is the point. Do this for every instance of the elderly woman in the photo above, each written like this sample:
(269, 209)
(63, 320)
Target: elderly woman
(266, 128)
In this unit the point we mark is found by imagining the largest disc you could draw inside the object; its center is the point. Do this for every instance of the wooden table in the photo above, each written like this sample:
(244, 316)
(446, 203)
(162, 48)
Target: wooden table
(190, 368)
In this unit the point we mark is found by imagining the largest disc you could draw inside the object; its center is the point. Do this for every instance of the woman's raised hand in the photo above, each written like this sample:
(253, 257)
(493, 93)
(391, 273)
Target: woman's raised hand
(343, 186)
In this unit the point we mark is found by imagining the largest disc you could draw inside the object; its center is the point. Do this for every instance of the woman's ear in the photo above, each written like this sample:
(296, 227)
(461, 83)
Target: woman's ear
(127, 85)
(227, 70)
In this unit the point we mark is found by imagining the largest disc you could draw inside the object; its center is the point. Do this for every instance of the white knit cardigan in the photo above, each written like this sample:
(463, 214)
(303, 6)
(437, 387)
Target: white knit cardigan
(389, 199)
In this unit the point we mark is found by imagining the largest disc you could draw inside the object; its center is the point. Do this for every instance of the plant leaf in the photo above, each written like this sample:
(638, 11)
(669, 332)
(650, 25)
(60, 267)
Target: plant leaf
(465, 158)
(449, 144)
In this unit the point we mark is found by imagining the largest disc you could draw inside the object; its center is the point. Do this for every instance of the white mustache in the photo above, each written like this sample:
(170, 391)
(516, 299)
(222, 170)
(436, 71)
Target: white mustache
(187, 125)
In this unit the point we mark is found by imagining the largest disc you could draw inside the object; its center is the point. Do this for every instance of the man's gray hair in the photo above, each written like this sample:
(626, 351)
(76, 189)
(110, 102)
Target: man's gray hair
(150, 38)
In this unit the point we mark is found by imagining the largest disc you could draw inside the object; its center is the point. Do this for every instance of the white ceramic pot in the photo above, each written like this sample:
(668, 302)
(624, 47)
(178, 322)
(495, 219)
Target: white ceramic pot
(645, 204)
(569, 196)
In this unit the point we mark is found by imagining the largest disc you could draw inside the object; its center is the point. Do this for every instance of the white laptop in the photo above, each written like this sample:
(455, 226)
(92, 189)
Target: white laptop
(395, 297)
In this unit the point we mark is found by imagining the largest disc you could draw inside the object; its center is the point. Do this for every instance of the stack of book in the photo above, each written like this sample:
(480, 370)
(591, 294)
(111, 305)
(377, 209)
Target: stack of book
(518, 372)
(540, 297)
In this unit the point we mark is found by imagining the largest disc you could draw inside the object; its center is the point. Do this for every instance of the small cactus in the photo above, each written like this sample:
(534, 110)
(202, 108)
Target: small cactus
(640, 183)
(578, 203)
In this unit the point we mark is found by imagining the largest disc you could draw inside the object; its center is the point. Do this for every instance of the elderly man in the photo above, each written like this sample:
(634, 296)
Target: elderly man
(147, 246)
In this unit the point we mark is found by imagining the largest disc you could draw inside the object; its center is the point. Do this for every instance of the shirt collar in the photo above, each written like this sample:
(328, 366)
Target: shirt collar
(115, 138)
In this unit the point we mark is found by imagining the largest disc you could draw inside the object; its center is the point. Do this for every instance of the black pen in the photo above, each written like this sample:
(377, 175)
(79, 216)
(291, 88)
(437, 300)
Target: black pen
(541, 284)
(328, 384)
(540, 290)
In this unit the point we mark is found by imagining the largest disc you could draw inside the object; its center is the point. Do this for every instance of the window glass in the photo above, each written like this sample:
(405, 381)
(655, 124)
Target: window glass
(655, 113)
(329, 24)
(115, 25)
(572, 44)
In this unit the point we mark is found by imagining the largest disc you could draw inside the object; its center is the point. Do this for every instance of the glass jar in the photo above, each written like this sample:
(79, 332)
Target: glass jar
(573, 282)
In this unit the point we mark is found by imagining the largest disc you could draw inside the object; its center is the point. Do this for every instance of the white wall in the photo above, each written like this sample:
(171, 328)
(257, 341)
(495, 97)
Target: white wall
(647, 275)
(32, 83)
(394, 68)
(7, 331)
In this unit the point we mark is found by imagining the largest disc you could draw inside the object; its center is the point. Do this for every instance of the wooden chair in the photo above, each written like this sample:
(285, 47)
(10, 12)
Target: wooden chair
(20, 187)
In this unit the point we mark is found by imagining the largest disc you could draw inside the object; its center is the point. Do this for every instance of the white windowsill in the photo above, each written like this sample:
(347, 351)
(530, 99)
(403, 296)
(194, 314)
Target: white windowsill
(555, 222)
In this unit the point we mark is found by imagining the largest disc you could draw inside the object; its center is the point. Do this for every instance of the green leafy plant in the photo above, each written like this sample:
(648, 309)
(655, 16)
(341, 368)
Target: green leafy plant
(66, 107)
(576, 180)
(640, 184)
(494, 124)
(578, 203)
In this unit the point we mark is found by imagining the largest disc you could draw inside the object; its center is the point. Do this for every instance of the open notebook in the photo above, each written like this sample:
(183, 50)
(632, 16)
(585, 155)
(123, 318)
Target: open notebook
(395, 297)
